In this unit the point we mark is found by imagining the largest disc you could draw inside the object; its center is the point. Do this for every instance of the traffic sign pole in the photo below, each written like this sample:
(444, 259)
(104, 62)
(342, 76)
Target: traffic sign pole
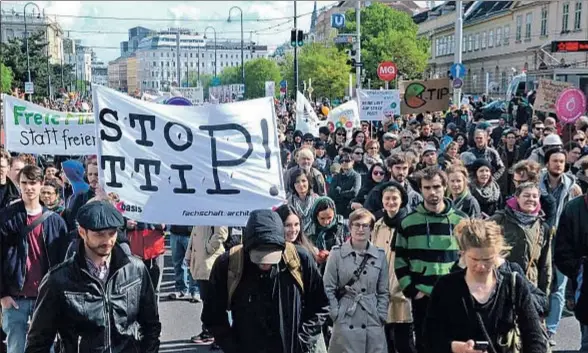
(458, 44)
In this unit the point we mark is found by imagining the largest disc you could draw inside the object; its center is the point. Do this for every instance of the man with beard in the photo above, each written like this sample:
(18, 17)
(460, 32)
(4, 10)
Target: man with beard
(563, 188)
(425, 246)
(98, 299)
(32, 240)
(78, 200)
(529, 143)
(398, 165)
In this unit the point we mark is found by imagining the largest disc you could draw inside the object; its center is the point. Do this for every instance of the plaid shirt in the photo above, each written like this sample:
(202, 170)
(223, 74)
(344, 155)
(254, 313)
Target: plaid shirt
(101, 272)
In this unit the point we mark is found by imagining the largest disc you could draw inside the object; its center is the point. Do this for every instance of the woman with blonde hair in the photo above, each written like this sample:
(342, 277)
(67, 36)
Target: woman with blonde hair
(458, 182)
(481, 308)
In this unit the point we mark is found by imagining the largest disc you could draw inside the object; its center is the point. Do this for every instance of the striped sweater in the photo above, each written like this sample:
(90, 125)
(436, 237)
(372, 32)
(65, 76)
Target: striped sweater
(426, 248)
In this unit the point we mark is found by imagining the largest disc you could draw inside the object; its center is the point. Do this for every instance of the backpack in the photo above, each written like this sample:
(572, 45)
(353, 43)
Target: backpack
(236, 261)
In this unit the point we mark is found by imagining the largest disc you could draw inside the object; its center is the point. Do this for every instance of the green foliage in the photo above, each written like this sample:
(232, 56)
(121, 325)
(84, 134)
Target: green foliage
(14, 57)
(230, 75)
(257, 71)
(389, 34)
(6, 77)
(324, 65)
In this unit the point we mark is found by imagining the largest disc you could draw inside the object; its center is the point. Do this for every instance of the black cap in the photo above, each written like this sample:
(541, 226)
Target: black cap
(99, 215)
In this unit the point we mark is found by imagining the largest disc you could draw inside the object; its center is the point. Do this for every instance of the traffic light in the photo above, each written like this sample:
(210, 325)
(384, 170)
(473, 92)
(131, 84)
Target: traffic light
(300, 38)
(252, 47)
(351, 53)
(297, 38)
(293, 38)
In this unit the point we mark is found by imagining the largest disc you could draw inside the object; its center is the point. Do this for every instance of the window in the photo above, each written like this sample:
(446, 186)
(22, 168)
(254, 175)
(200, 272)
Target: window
(490, 38)
(464, 45)
(506, 34)
(578, 15)
(544, 15)
(470, 42)
(519, 28)
(438, 46)
(565, 17)
(483, 40)
(477, 42)
(498, 36)
(528, 21)
(452, 44)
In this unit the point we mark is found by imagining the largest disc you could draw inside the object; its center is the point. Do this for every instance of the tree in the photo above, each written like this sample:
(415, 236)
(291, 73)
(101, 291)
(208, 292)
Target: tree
(257, 72)
(6, 77)
(14, 56)
(389, 35)
(324, 65)
(230, 75)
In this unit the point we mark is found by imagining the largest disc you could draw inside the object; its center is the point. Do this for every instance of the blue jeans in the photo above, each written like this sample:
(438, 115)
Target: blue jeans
(556, 302)
(15, 323)
(183, 279)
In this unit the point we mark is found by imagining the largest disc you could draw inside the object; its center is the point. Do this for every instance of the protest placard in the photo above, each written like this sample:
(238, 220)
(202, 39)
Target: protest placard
(270, 88)
(378, 105)
(424, 96)
(346, 116)
(188, 165)
(31, 128)
(306, 119)
(547, 94)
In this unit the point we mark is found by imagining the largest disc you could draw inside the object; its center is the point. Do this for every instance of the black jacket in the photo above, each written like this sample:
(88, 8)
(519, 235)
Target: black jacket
(72, 303)
(571, 250)
(12, 193)
(344, 188)
(452, 305)
(301, 314)
(77, 201)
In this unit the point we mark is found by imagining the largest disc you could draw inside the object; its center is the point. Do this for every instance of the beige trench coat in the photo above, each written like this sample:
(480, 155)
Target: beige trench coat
(204, 247)
(360, 315)
(399, 310)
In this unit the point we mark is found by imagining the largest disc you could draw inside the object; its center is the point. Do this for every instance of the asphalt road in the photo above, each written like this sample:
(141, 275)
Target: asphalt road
(181, 320)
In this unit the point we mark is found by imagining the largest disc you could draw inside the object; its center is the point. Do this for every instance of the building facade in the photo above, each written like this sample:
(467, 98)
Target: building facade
(117, 74)
(136, 34)
(12, 25)
(99, 72)
(502, 39)
(132, 74)
(157, 60)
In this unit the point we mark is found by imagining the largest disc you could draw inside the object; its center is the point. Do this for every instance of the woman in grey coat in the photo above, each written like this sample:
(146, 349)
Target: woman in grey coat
(359, 311)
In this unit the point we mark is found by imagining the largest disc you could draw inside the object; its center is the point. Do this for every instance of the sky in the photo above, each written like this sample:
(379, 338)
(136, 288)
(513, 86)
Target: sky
(270, 21)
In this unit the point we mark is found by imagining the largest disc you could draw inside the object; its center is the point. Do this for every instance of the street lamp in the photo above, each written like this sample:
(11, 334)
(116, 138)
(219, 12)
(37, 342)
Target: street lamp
(24, 13)
(214, 31)
(242, 62)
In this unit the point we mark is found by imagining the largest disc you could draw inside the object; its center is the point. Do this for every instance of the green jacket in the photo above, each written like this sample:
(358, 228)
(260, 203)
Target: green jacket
(426, 248)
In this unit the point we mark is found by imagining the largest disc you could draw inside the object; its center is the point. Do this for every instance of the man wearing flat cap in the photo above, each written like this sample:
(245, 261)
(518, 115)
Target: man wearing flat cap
(99, 300)
(276, 297)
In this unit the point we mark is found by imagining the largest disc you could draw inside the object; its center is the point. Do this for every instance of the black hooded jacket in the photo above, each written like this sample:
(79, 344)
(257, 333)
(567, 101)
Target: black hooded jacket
(10, 194)
(271, 314)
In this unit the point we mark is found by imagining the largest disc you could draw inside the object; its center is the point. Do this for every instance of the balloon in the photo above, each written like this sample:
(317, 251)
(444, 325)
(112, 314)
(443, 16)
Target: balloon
(343, 119)
(325, 110)
(349, 124)
(339, 124)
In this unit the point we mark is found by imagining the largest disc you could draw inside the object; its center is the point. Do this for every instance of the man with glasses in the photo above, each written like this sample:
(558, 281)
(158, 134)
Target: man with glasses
(389, 143)
(533, 139)
(425, 245)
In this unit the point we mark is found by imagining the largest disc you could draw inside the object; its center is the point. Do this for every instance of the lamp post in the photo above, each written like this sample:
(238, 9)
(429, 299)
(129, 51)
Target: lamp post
(24, 13)
(242, 55)
(214, 31)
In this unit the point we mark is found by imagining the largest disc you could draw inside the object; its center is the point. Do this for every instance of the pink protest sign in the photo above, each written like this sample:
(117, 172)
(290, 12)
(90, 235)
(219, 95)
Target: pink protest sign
(570, 105)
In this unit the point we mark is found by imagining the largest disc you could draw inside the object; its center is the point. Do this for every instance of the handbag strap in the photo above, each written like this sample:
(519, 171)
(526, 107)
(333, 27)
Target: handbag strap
(358, 271)
(29, 228)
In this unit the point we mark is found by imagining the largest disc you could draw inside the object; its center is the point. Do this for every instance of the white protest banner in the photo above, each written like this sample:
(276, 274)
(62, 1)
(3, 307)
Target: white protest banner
(270, 88)
(346, 116)
(377, 105)
(306, 119)
(31, 128)
(188, 165)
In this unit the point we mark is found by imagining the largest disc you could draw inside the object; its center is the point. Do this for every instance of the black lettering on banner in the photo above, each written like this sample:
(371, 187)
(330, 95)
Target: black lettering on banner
(112, 163)
(230, 163)
(109, 124)
(171, 144)
(147, 163)
(265, 143)
(181, 168)
(142, 119)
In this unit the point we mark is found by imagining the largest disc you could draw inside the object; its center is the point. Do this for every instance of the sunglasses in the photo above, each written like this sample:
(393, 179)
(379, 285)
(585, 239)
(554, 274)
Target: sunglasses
(340, 134)
(358, 153)
(579, 140)
(309, 141)
(378, 173)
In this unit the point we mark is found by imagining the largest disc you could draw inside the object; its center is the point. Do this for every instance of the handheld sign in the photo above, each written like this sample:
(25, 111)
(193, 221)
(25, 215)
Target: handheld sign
(570, 105)
(387, 71)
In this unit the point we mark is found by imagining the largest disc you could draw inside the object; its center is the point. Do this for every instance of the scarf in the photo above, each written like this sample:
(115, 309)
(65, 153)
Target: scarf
(488, 193)
(321, 231)
(522, 218)
(458, 202)
(303, 207)
(394, 222)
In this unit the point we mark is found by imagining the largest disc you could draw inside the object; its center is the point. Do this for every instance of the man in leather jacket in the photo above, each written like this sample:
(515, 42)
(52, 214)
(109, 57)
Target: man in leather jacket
(99, 300)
